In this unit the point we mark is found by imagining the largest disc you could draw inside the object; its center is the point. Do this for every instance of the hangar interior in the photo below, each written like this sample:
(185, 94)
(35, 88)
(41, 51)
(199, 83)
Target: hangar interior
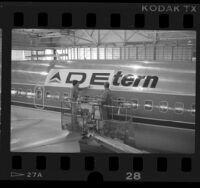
(156, 114)
(69, 44)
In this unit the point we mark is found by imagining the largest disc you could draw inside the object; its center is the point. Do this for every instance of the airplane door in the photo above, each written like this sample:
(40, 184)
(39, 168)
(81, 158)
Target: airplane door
(39, 97)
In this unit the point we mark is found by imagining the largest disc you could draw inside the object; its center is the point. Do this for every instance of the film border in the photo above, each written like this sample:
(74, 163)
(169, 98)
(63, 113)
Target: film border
(28, 14)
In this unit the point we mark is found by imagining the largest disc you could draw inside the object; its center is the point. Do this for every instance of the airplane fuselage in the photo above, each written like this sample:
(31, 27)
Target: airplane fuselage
(162, 96)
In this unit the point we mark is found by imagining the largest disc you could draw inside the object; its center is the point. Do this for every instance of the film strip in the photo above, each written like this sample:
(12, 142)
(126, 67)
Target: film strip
(147, 53)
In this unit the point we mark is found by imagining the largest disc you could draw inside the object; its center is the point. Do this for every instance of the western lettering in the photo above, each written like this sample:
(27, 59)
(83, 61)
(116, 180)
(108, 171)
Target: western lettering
(148, 80)
(134, 80)
(96, 77)
(69, 80)
(137, 80)
(116, 78)
(127, 80)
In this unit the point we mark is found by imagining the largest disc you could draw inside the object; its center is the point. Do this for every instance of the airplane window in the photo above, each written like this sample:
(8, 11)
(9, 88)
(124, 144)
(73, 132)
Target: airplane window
(48, 95)
(57, 96)
(148, 105)
(97, 97)
(127, 104)
(121, 99)
(193, 109)
(179, 107)
(65, 96)
(13, 91)
(19, 92)
(23, 93)
(86, 98)
(134, 103)
(38, 94)
(29, 93)
(163, 106)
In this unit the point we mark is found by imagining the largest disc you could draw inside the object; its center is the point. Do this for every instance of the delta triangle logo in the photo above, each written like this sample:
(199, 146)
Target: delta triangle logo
(55, 78)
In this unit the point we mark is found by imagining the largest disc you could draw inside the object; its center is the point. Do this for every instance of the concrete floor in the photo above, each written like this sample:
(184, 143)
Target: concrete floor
(34, 130)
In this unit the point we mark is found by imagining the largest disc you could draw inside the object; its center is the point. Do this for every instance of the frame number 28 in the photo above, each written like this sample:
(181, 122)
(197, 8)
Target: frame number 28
(133, 176)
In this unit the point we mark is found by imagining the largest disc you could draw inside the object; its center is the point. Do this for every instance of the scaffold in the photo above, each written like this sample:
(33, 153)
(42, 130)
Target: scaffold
(91, 118)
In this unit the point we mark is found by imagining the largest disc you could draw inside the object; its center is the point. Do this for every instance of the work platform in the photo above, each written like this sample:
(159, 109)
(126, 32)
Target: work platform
(35, 130)
(98, 124)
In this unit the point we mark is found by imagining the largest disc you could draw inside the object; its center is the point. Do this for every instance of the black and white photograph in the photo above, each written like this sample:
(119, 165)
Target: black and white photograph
(103, 91)
(0, 81)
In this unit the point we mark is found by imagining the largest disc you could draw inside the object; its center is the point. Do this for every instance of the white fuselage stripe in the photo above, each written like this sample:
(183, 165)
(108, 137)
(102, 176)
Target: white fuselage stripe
(175, 94)
(134, 116)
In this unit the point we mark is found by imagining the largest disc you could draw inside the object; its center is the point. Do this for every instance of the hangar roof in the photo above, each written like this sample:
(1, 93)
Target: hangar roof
(59, 38)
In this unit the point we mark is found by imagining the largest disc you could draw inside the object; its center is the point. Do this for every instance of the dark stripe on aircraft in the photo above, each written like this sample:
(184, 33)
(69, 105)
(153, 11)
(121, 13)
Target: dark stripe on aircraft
(123, 118)
(158, 122)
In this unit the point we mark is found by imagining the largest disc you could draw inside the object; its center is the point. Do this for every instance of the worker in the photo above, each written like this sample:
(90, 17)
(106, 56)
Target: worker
(105, 100)
(74, 96)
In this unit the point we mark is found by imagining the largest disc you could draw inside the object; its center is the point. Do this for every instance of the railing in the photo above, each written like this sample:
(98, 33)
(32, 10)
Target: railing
(90, 117)
(93, 107)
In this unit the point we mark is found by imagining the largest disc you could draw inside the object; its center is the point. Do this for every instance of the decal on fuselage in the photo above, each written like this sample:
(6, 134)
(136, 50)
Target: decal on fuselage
(97, 78)
(55, 78)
